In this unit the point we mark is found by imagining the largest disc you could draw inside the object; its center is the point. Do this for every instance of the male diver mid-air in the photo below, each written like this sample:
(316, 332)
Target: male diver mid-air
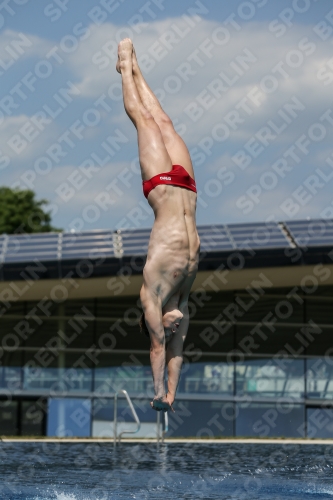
(173, 251)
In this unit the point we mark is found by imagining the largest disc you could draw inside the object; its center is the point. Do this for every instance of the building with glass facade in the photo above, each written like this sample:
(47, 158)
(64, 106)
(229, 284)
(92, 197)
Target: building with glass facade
(258, 358)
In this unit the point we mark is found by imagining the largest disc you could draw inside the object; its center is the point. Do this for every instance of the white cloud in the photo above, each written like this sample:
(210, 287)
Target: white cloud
(290, 62)
(193, 63)
(15, 46)
(22, 140)
(85, 186)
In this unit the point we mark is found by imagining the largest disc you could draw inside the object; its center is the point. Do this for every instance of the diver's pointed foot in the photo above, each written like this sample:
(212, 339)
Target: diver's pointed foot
(161, 404)
(125, 49)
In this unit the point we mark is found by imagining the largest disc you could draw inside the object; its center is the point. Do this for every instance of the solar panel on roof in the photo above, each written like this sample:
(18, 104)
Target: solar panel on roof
(135, 237)
(311, 232)
(85, 254)
(66, 243)
(90, 244)
(135, 242)
(126, 239)
(218, 237)
(29, 247)
(136, 250)
(29, 244)
(215, 238)
(259, 235)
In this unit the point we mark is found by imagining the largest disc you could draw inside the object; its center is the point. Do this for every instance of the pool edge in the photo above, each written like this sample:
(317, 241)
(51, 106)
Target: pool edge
(169, 440)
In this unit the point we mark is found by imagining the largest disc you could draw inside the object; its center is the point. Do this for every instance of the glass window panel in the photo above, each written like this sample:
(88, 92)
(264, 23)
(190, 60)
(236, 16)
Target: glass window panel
(211, 376)
(319, 422)
(247, 307)
(210, 338)
(116, 335)
(115, 307)
(103, 416)
(103, 409)
(39, 334)
(201, 419)
(270, 420)
(78, 333)
(285, 310)
(77, 372)
(29, 332)
(60, 372)
(36, 307)
(71, 307)
(319, 378)
(324, 291)
(10, 370)
(79, 325)
(8, 418)
(208, 306)
(130, 372)
(69, 417)
(192, 418)
(320, 341)
(38, 331)
(321, 312)
(270, 378)
(271, 339)
(32, 418)
(17, 308)
(8, 335)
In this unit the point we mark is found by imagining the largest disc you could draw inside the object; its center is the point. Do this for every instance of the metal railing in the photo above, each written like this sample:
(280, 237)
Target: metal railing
(160, 432)
(115, 419)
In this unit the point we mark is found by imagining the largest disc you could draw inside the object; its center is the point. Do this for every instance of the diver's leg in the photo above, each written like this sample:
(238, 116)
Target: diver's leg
(148, 98)
(152, 150)
(174, 144)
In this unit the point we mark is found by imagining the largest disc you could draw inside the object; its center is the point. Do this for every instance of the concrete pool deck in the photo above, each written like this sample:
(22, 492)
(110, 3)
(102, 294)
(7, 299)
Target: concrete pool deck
(167, 440)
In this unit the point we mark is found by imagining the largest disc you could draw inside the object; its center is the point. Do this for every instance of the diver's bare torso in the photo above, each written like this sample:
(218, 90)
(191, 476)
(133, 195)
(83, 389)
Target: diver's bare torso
(173, 253)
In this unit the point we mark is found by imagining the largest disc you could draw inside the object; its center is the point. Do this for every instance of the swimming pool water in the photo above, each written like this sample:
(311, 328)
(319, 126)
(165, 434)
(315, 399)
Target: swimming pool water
(93, 471)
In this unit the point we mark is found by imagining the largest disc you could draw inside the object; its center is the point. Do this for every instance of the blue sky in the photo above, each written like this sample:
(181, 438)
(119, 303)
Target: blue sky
(248, 85)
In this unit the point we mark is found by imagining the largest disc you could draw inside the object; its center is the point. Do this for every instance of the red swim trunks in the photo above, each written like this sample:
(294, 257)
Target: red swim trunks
(178, 176)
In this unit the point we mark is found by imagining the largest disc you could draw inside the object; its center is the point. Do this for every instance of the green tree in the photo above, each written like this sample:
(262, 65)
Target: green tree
(21, 213)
